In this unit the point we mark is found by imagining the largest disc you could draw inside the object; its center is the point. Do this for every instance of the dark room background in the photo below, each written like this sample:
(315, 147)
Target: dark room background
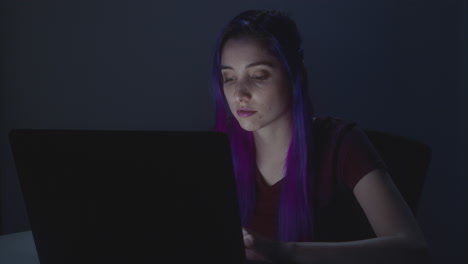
(395, 66)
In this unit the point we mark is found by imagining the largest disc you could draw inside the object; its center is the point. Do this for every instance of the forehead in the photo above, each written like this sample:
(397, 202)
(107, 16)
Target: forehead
(245, 50)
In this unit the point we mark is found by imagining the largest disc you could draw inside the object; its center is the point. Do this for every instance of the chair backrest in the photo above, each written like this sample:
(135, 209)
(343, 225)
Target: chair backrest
(407, 161)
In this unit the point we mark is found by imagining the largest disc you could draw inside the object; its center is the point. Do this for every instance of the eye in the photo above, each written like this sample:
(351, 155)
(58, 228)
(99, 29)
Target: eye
(228, 79)
(259, 77)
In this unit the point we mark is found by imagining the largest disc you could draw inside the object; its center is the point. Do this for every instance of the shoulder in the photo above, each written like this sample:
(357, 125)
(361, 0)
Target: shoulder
(332, 128)
(351, 152)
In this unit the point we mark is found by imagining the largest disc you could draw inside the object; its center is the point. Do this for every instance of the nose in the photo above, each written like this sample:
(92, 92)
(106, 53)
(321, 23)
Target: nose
(241, 92)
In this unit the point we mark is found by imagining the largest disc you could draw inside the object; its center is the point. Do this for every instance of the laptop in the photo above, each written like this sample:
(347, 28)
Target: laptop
(96, 196)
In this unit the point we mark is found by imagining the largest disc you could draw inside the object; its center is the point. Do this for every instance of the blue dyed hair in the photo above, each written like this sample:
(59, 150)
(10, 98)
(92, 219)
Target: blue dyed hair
(280, 35)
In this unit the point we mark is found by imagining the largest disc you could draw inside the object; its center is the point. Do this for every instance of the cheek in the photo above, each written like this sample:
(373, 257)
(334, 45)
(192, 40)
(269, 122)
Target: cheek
(284, 98)
(232, 103)
(228, 99)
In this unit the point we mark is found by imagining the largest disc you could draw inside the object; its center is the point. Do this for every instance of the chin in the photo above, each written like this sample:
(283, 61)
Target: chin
(249, 130)
(248, 127)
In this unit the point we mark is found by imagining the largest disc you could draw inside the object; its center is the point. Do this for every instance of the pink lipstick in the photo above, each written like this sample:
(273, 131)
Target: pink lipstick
(244, 112)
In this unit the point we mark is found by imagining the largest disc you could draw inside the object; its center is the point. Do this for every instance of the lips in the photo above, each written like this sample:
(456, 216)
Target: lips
(245, 112)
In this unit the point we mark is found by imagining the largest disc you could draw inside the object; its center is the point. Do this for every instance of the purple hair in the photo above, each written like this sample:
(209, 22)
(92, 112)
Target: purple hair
(279, 33)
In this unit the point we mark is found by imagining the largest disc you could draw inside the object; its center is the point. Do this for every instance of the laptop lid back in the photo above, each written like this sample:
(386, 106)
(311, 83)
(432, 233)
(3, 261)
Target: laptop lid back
(129, 196)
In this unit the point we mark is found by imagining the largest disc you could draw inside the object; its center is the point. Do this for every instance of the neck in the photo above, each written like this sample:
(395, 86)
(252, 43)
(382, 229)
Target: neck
(272, 142)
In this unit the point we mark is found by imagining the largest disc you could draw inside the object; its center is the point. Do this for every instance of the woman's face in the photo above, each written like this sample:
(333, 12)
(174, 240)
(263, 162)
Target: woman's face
(255, 84)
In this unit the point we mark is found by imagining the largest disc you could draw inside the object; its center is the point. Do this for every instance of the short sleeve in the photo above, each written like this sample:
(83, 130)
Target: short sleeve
(357, 157)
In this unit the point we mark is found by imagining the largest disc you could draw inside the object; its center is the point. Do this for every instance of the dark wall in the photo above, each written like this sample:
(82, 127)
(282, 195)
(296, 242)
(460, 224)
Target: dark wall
(394, 66)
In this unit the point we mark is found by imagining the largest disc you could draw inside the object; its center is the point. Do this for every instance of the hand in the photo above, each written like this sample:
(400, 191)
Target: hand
(249, 242)
(259, 248)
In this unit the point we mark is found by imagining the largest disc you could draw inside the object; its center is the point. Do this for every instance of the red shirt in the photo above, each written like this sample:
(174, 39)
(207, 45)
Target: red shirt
(345, 155)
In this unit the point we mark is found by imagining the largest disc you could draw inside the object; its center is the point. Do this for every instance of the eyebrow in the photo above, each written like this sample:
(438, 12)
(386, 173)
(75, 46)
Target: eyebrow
(267, 63)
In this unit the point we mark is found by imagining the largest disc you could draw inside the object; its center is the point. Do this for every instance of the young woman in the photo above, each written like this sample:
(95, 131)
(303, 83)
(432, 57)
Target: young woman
(297, 173)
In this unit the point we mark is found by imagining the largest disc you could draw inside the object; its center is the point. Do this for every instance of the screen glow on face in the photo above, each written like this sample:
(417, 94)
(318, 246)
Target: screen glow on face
(255, 84)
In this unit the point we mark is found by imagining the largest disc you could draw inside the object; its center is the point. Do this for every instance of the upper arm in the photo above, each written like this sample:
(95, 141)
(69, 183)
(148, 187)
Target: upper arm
(384, 206)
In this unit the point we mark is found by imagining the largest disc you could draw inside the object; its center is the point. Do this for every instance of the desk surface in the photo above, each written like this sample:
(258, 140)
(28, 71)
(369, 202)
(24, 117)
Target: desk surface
(18, 248)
